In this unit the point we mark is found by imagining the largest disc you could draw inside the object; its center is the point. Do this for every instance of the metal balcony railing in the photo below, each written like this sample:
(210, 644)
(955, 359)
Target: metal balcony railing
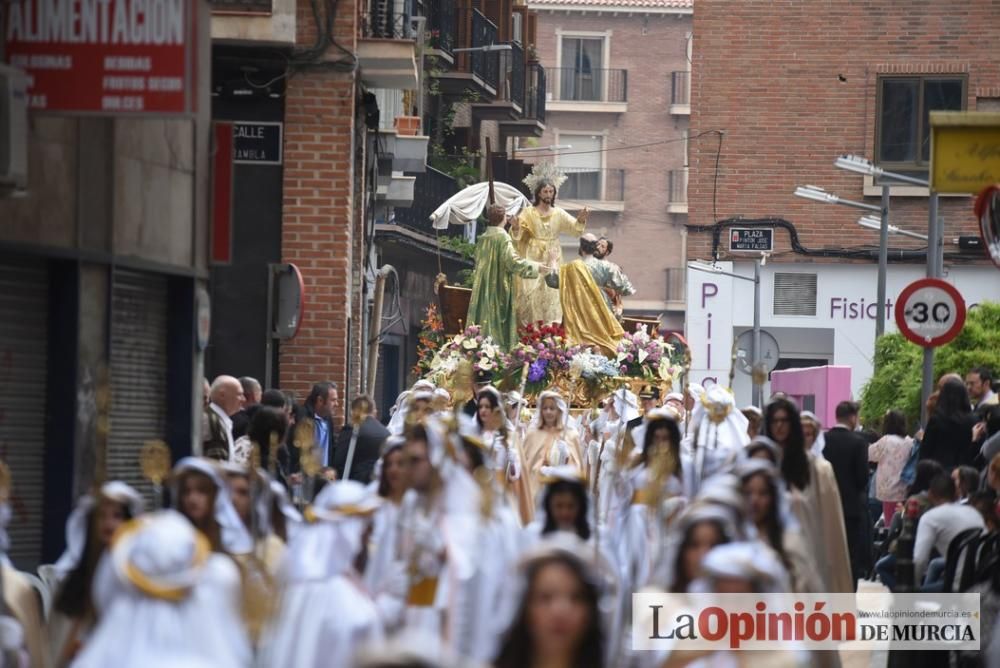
(535, 100)
(387, 19)
(482, 32)
(584, 183)
(430, 189)
(675, 284)
(680, 91)
(512, 72)
(442, 23)
(570, 84)
(678, 186)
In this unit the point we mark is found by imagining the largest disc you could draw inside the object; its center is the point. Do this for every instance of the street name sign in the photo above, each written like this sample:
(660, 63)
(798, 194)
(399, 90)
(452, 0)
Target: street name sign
(752, 239)
(930, 312)
(256, 143)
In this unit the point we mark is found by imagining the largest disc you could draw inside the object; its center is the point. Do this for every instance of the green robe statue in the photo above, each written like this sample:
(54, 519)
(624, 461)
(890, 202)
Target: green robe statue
(492, 303)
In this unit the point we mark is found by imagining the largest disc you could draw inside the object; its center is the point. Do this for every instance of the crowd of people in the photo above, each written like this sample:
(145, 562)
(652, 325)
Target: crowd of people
(475, 530)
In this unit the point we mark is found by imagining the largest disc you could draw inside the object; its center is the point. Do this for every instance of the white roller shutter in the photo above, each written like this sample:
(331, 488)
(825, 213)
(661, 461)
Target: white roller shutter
(138, 373)
(24, 306)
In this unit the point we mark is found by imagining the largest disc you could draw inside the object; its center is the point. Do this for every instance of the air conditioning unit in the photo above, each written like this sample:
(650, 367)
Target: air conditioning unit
(13, 129)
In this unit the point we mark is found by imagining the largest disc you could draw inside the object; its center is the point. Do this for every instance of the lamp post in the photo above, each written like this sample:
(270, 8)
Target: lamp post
(935, 245)
(819, 195)
(698, 265)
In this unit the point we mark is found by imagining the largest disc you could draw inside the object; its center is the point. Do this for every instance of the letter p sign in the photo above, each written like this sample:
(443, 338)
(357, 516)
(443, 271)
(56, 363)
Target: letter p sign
(708, 290)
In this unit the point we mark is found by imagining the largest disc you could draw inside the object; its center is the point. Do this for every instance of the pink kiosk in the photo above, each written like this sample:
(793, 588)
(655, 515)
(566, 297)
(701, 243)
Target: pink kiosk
(818, 389)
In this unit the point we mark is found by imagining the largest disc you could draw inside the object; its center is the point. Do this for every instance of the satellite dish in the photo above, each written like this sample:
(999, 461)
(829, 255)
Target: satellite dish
(988, 213)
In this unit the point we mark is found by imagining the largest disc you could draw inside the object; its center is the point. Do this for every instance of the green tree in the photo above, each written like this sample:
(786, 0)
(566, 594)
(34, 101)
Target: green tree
(897, 378)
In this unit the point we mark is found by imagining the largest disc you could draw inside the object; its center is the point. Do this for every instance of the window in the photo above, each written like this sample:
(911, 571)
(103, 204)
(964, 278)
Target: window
(582, 73)
(582, 167)
(903, 131)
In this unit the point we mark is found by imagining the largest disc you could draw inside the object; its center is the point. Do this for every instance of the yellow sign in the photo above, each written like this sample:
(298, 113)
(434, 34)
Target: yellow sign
(965, 151)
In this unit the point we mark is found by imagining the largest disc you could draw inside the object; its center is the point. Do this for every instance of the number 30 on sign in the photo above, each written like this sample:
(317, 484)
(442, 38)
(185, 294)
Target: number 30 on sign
(930, 312)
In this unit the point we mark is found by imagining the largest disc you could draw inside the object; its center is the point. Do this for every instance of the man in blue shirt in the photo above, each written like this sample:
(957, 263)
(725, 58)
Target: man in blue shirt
(321, 405)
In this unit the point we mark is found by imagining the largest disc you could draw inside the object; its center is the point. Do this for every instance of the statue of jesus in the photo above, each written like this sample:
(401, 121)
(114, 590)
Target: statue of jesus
(536, 232)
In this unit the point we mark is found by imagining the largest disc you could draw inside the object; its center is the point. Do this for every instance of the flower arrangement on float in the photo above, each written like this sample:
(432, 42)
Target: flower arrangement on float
(648, 359)
(470, 346)
(544, 359)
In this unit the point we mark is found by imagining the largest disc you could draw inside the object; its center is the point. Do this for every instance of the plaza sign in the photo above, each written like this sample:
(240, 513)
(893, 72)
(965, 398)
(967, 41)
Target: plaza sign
(965, 151)
(104, 57)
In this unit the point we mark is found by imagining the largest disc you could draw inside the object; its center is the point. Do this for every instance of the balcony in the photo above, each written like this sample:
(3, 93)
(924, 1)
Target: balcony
(532, 120)
(677, 191)
(680, 93)
(595, 90)
(509, 101)
(431, 189)
(270, 22)
(442, 21)
(386, 51)
(475, 71)
(599, 189)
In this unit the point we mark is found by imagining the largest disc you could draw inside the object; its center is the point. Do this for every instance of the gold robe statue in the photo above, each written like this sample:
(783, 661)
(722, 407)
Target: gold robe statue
(586, 317)
(537, 239)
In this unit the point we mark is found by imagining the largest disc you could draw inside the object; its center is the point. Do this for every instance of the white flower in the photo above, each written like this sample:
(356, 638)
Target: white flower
(485, 364)
(469, 344)
(642, 355)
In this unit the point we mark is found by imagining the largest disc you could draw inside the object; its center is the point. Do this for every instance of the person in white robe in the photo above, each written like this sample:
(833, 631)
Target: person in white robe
(163, 596)
(325, 612)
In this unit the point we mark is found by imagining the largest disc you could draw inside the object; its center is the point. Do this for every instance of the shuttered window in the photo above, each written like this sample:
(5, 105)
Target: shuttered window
(138, 374)
(24, 307)
(794, 294)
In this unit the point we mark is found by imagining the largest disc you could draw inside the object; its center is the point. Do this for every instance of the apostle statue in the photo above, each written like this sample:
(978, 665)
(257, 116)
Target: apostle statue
(587, 314)
(492, 303)
(536, 232)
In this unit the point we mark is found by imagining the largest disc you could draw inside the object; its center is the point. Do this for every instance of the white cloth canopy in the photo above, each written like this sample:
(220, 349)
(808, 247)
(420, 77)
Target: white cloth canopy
(465, 206)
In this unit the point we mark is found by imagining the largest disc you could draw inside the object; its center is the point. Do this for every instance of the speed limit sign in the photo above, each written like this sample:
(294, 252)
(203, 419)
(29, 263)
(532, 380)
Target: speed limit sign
(930, 312)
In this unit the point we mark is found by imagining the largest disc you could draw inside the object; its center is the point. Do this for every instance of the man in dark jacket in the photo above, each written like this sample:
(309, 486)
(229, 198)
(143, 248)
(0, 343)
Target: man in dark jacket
(371, 436)
(321, 406)
(847, 452)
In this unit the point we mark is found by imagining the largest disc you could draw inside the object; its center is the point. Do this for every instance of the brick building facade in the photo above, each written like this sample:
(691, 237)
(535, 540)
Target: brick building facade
(792, 86)
(618, 78)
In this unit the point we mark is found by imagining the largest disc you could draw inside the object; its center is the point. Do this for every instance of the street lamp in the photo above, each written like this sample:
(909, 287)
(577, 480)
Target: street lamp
(485, 48)
(873, 223)
(817, 194)
(855, 163)
(935, 245)
(700, 265)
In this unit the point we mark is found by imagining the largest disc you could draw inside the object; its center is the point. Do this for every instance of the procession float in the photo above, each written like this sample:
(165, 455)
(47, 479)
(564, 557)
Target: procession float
(555, 351)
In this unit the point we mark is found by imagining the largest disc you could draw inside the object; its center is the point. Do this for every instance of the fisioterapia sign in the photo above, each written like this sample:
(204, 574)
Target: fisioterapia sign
(104, 56)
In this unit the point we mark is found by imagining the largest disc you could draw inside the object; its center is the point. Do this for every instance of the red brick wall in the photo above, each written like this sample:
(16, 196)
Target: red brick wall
(319, 215)
(647, 239)
(767, 74)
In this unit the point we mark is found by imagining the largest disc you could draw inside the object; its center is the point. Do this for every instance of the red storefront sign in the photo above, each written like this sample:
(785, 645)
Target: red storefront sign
(104, 56)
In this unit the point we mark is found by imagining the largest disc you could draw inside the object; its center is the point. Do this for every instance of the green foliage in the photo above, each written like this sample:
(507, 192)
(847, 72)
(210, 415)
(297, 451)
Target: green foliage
(458, 245)
(897, 379)
(465, 249)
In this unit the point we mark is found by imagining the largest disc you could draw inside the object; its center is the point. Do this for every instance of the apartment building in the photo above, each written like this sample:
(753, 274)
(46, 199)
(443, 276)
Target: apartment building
(617, 112)
(792, 86)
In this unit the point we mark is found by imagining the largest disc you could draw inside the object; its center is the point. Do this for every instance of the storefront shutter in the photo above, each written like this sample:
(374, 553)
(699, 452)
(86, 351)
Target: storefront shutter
(24, 307)
(138, 374)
